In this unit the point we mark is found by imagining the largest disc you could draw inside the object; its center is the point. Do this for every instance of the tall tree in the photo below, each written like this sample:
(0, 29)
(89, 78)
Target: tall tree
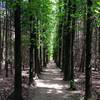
(88, 83)
(18, 77)
(37, 60)
(67, 40)
(82, 63)
(32, 33)
(60, 26)
(72, 43)
(0, 45)
(6, 43)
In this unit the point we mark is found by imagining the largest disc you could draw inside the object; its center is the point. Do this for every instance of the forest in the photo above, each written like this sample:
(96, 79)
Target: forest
(49, 49)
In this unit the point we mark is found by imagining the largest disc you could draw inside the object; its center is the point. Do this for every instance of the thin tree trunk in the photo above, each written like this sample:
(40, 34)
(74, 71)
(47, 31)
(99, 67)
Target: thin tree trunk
(37, 63)
(37, 60)
(32, 36)
(6, 45)
(11, 46)
(41, 58)
(0, 46)
(44, 56)
(31, 57)
(72, 43)
(60, 37)
(98, 44)
(82, 64)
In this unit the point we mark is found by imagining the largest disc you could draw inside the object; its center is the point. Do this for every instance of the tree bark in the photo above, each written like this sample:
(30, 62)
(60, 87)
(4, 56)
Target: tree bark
(72, 38)
(0, 46)
(18, 59)
(6, 45)
(88, 84)
(66, 44)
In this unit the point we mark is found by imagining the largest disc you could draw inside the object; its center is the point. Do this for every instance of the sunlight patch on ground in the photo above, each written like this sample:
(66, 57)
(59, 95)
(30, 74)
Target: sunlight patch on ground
(53, 70)
(76, 80)
(1, 79)
(24, 73)
(59, 91)
(75, 92)
(58, 79)
(42, 84)
(56, 91)
(96, 82)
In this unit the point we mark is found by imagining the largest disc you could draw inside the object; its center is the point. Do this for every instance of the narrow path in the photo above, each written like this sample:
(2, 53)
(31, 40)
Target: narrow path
(51, 86)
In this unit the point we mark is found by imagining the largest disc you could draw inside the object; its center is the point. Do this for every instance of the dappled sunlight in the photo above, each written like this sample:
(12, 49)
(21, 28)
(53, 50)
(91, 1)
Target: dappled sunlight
(1, 79)
(24, 73)
(51, 82)
(58, 78)
(43, 84)
(51, 73)
(97, 86)
(52, 85)
(75, 92)
(96, 82)
(56, 91)
(77, 80)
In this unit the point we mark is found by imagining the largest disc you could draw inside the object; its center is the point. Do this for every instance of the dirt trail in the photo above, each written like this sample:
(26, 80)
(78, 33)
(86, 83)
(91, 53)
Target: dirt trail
(51, 86)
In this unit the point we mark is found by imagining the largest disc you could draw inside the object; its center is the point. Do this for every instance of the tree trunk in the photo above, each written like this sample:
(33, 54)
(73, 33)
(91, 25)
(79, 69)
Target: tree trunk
(6, 45)
(41, 58)
(0, 46)
(32, 36)
(66, 44)
(83, 55)
(60, 40)
(82, 64)
(88, 84)
(31, 54)
(11, 46)
(72, 42)
(98, 48)
(44, 56)
(18, 59)
(37, 63)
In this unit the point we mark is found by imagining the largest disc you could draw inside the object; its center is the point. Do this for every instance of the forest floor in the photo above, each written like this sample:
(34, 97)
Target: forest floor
(49, 85)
